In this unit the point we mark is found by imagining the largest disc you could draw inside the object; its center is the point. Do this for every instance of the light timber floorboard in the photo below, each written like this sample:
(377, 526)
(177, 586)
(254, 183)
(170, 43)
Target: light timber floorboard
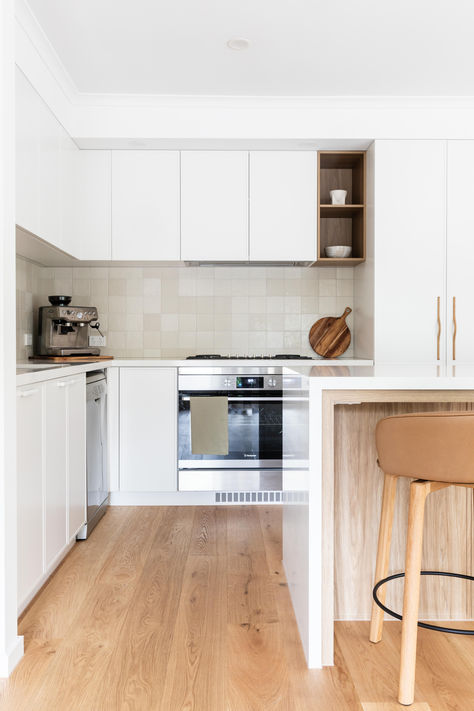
(187, 609)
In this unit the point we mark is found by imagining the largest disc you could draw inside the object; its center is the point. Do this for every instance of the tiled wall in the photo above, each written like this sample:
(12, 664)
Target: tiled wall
(27, 302)
(176, 311)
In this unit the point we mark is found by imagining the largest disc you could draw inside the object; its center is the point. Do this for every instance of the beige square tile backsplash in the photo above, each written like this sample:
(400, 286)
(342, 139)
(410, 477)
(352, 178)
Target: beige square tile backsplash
(171, 312)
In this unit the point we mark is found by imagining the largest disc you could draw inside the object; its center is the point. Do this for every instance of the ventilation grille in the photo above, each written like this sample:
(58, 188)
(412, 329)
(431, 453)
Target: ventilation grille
(249, 497)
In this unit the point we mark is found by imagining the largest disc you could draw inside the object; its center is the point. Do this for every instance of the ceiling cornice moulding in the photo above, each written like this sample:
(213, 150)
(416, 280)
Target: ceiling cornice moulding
(56, 68)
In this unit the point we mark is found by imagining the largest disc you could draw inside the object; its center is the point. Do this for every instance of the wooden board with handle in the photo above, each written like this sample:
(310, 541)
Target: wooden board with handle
(330, 337)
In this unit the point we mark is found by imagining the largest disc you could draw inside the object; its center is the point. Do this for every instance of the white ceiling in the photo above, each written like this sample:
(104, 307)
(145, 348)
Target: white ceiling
(297, 47)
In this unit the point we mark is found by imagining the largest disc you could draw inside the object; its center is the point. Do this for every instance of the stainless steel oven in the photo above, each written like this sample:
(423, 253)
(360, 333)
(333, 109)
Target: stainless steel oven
(242, 410)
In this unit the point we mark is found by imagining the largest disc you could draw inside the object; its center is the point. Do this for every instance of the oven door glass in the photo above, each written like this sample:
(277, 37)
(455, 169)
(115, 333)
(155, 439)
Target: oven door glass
(255, 431)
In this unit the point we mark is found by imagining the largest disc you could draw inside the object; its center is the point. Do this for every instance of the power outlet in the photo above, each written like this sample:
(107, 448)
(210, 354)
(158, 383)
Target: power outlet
(97, 341)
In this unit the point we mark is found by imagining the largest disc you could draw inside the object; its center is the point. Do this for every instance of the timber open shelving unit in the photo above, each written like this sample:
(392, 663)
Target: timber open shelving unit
(341, 224)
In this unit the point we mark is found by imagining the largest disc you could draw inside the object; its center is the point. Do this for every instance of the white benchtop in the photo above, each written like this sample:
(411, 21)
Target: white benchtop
(29, 372)
(423, 376)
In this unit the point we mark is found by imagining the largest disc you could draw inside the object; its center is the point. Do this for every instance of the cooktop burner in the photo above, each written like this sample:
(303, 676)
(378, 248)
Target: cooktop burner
(217, 356)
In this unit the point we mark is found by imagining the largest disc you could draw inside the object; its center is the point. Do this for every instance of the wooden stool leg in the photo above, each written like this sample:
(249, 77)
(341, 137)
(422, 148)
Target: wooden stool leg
(383, 553)
(419, 490)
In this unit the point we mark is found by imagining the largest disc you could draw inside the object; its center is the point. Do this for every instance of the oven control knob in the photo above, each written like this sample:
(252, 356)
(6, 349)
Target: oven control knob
(227, 382)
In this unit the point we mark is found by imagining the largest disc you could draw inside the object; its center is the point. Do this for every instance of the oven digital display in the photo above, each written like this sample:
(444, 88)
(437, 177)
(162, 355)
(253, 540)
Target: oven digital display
(249, 382)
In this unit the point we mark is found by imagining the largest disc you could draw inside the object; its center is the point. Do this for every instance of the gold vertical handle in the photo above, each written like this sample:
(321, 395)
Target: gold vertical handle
(455, 328)
(439, 328)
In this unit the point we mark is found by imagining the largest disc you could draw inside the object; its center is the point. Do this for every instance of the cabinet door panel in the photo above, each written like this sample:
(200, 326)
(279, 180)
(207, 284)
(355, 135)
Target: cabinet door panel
(27, 105)
(76, 423)
(145, 205)
(214, 205)
(410, 242)
(50, 176)
(283, 205)
(29, 489)
(69, 157)
(148, 429)
(94, 205)
(55, 475)
(460, 249)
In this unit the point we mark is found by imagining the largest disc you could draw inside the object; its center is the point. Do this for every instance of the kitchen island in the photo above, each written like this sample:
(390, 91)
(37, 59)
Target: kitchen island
(331, 511)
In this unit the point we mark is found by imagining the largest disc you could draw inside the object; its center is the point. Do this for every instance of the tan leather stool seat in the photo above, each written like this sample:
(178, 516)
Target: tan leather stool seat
(436, 446)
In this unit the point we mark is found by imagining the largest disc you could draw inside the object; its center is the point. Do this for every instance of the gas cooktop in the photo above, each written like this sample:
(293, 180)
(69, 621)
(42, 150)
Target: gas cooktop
(217, 356)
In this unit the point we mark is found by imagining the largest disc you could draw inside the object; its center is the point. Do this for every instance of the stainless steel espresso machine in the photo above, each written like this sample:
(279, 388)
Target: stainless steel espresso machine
(63, 330)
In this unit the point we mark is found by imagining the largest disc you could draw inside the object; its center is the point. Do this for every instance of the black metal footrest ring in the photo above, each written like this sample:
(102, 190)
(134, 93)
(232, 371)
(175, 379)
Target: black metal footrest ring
(425, 625)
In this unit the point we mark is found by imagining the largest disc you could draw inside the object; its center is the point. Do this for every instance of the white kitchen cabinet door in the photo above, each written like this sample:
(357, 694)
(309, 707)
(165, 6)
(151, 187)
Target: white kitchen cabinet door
(94, 201)
(50, 210)
(29, 488)
(145, 205)
(69, 157)
(27, 106)
(460, 251)
(214, 205)
(76, 454)
(410, 243)
(148, 429)
(55, 468)
(283, 206)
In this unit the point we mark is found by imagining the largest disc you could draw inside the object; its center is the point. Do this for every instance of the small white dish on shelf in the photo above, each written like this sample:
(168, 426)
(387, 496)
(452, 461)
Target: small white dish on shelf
(338, 251)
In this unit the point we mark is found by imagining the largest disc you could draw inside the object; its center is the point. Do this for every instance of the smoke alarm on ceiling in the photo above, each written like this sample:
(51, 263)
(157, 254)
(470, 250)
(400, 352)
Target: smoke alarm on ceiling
(238, 43)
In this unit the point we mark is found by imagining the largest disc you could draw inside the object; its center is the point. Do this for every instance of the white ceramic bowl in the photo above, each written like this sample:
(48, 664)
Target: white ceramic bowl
(338, 250)
(338, 197)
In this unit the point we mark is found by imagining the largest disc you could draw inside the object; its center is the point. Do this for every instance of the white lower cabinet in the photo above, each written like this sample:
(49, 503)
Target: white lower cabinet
(148, 429)
(76, 454)
(29, 487)
(51, 474)
(55, 470)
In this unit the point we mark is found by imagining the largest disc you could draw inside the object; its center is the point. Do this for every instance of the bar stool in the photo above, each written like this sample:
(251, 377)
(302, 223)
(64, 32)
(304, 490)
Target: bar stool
(437, 450)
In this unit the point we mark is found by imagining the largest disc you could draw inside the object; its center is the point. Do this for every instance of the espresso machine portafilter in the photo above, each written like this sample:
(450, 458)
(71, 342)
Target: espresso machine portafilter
(63, 330)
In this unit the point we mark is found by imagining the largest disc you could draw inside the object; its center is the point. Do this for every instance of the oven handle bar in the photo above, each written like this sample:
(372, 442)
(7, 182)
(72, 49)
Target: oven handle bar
(186, 398)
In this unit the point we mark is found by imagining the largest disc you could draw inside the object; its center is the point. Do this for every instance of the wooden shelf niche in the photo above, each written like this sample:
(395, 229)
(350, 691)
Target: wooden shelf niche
(341, 224)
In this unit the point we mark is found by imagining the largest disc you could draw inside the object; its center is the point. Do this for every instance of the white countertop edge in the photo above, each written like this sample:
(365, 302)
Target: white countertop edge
(50, 371)
(389, 377)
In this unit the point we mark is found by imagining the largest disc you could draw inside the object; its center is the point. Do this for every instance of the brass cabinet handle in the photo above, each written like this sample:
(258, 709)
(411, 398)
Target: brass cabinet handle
(439, 329)
(455, 328)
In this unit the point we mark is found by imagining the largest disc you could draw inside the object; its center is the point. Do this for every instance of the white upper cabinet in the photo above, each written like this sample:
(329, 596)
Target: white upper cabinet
(69, 209)
(214, 205)
(283, 205)
(410, 243)
(50, 211)
(27, 106)
(460, 251)
(145, 205)
(45, 155)
(93, 200)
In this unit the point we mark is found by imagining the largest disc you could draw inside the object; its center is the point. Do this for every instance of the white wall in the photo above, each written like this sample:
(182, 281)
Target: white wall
(11, 646)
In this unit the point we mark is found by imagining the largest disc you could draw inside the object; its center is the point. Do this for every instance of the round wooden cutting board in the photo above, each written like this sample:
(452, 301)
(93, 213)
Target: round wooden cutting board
(330, 337)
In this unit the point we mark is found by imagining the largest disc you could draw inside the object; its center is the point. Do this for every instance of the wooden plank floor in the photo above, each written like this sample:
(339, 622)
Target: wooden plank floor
(183, 608)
